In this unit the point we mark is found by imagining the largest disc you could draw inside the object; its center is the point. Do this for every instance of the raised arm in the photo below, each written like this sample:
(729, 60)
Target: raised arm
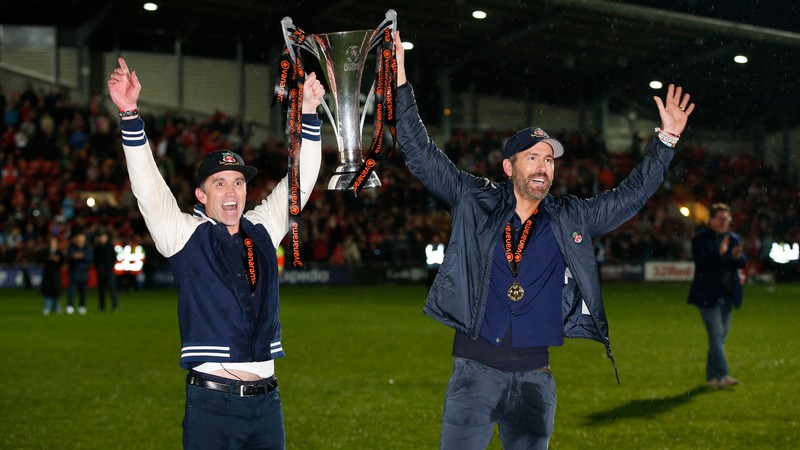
(610, 209)
(273, 212)
(429, 164)
(169, 227)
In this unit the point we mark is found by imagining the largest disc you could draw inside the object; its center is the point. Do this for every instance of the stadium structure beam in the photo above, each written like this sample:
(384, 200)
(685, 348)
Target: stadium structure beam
(683, 20)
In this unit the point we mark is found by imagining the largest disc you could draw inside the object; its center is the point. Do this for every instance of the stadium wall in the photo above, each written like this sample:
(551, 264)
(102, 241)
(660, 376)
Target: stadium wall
(373, 273)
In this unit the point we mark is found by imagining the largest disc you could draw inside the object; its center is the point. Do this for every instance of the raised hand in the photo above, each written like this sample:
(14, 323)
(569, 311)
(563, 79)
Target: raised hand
(124, 87)
(674, 110)
(312, 93)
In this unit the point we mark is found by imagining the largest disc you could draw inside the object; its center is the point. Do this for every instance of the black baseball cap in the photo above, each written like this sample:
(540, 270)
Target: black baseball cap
(527, 138)
(221, 160)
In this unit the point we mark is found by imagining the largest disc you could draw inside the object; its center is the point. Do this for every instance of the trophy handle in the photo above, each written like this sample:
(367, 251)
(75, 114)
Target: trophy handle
(391, 16)
(330, 118)
(370, 96)
(288, 28)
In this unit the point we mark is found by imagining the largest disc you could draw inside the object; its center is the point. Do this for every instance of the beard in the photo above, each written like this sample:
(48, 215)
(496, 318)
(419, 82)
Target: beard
(527, 189)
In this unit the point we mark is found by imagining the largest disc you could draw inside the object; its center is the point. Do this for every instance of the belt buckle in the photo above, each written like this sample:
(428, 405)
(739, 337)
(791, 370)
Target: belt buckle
(248, 390)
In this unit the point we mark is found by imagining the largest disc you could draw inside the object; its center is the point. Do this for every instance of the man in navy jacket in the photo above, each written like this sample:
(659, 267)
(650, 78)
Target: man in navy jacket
(519, 273)
(716, 288)
(223, 261)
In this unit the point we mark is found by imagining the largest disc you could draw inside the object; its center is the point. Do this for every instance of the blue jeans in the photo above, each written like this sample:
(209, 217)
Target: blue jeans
(522, 404)
(80, 286)
(51, 305)
(718, 322)
(218, 420)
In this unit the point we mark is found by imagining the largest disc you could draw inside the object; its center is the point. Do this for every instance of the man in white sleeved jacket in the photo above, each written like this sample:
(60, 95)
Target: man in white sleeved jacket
(223, 261)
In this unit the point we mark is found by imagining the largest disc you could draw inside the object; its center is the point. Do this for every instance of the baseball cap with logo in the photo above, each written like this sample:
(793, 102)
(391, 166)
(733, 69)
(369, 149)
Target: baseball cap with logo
(527, 138)
(224, 160)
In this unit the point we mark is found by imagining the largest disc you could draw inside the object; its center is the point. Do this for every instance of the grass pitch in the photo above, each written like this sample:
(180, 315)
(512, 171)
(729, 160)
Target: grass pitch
(365, 369)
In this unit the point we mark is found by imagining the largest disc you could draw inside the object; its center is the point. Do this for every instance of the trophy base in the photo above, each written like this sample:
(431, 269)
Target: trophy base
(340, 181)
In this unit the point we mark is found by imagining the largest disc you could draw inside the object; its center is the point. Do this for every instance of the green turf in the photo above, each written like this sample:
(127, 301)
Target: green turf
(365, 369)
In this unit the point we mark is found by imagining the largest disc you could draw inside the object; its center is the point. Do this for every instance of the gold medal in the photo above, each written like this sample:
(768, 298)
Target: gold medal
(514, 253)
(516, 292)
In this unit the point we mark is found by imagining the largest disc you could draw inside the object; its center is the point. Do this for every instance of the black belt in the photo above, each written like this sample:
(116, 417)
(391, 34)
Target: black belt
(236, 387)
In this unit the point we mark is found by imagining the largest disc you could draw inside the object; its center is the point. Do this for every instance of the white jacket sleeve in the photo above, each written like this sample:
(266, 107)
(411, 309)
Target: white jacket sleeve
(169, 227)
(273, 211)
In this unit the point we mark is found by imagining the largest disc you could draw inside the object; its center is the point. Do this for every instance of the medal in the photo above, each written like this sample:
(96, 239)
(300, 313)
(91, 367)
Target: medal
(516, 292)
(514, 253)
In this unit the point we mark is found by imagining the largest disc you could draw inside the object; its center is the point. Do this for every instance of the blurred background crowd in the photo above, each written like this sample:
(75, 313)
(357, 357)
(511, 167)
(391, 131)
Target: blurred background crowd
(56, 155)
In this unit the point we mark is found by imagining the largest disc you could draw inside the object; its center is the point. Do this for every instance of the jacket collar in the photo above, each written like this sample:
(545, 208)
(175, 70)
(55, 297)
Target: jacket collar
(200, 211)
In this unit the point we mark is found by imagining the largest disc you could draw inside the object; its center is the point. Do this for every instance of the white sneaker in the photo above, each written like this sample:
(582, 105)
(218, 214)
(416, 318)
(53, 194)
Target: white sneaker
(728, 381)
(70, 309)
(46, 312)
(712, 383)
(82, 310)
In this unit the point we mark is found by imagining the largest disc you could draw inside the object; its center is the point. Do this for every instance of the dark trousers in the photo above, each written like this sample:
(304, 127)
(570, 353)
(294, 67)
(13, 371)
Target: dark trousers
(107, 284)
(216, 420)
(80, 286)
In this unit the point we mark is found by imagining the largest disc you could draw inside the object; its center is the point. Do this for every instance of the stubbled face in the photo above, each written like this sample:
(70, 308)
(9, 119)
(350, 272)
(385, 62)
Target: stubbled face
(531, 171)
(223, 195)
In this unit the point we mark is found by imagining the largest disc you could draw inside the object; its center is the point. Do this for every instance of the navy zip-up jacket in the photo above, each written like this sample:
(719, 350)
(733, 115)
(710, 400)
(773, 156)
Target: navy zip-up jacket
(220, 319)
(479, 210)
(709, 267)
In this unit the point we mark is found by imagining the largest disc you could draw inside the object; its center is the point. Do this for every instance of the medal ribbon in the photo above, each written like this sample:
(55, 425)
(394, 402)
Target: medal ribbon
(385, 95)
(514, 252)
(290, 81)
(250, 261)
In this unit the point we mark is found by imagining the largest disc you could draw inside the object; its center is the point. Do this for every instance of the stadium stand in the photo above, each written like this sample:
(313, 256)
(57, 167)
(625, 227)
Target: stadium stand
(56, 154)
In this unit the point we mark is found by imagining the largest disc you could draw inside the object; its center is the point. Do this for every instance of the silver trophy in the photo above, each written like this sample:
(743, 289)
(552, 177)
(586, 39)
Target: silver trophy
(342, 57)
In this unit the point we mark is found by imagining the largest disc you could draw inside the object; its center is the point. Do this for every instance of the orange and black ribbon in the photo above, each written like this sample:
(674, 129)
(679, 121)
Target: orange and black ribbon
(514, 252)
(289, 93)
(250, 260)
(385, 98)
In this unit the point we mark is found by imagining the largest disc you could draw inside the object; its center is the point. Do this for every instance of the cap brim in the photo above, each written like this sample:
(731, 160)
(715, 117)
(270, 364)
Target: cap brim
(249, 172)
(558, 149)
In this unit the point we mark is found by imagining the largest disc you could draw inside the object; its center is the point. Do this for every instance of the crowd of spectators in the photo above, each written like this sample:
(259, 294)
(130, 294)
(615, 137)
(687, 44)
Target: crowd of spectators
(55, 154)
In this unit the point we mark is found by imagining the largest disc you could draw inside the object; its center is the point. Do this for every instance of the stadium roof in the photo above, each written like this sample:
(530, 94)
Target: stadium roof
(570, 52)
